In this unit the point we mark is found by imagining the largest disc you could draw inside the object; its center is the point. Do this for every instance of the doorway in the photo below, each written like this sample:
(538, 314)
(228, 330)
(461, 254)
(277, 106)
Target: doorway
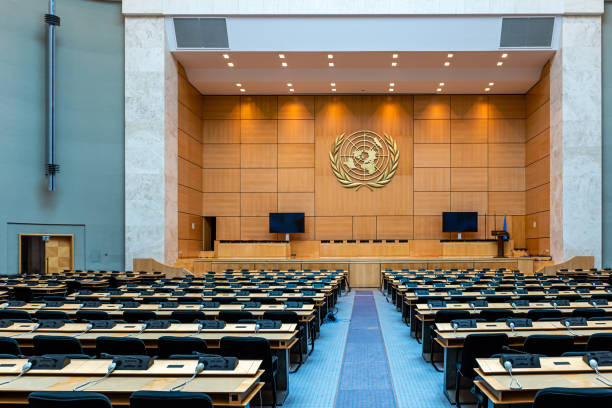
(44, 254)
(209, 233)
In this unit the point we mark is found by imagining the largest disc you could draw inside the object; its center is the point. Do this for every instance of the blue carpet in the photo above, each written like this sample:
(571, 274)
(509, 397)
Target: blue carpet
(365, 380)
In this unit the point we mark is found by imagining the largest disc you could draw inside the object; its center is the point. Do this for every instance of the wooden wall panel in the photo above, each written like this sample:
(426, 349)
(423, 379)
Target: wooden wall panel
(506, 130)
(431, 203)
(506, 106)
(258, 180)
(537, 147)
(469, 131)
(469, 107)
(469, 201)
(189, 174)
(506, 179)
(189, 226)
(296, 107)
(429, 227)
(469, 155)
(256, 228)
(258, 155)
(431, 155)
(537, 199)
(333, 228)
(364, 227)
(507, 202)
(221, 156)
(189, 200)
(258, 107)
(469, 179)
(537, 173)
(538, 95)
(189, 122)
(537, 122)
(189, 148)
(431, 107)
(432, 131)
(506, 155)
(220, 107)
(296, 180)
(220, 204)
(188, 248)
(221, 180)
(309, 231)
(296, 202)
(537, 225)
(257, 204)
(296, 131)
(189, 96)
(228, 228)
(258, 131)
(432, 179)
(296, 155)
(394, 227)
(220, 131)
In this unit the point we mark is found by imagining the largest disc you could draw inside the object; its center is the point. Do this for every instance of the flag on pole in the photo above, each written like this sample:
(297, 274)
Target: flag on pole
(505, 228)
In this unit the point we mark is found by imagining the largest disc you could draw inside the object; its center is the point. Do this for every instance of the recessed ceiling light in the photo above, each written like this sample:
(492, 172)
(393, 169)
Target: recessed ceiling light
(242, 90)
(289, 84)
(504, 55)
(281, 56)
(442, 84)
(390, 89)
(394, 64)
(330, 56)
(284, 64)
(291, 90)
(487, 89)
(447, 64)
(225, 56)
(439, 90)
(450, 55)
(391, 84)
(333, 84)
(395, 56)
(491, 83)
(331, 64)
(333, 89)
(499, 63)
(238, 85)
(230, 64)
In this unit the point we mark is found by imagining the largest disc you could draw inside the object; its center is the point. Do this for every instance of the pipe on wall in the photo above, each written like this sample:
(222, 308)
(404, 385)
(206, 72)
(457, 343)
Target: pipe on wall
(51, 167)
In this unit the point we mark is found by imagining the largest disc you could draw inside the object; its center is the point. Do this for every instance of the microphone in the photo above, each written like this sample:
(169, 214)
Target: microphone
(26, 367)
(595, 366)
(508, 367)
(506, 348)
(257, 327)
(87, 384)
(514, 306)
(36, 326)
(567, 325)
(88, 328)
(554, 304)
(144, 327)
(199, 368)
(455, 327)
(511, 324)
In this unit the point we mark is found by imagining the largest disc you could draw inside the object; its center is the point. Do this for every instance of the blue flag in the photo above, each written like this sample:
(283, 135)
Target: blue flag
(505, 228)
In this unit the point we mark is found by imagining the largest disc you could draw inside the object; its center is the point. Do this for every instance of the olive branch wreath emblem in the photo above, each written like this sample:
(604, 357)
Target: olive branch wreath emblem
(382, 180)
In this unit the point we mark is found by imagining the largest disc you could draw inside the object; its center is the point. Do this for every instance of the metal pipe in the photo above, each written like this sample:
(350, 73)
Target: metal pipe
(50, 165)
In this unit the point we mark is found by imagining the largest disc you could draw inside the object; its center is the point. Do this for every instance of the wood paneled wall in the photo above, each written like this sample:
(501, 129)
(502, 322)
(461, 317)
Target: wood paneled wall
(263, 154)
(189, 168)
(537, 166)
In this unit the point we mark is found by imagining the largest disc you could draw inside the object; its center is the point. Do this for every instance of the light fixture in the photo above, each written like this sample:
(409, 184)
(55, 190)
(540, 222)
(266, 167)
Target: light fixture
(487, 89)
(333, 84)
(331, 64)
(281, 56)
(289, 84)
(491, 83)
(394, 64)
(504, 55)
(442, 84)
(390, 89)
(499, 63)
(395, 56)
(239, 85)
(291, 90)
(230, 64)
(225, 56)
(242, 90)
(439, 90)
(330, 56)
(391, 84)
(450, 55)
(284, 64)
(333, 89)
(447, 64)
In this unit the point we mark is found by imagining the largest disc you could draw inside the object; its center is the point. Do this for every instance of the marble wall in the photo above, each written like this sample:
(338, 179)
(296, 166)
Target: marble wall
(576, 141)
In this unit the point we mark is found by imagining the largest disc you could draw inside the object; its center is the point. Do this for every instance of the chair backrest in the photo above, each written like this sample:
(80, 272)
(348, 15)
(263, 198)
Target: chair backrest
(600, 342)
(232, 316)
(9, 346)
(23, 293)
(120, 346)
(56, 399)
(187, 316)
(491, 315)
(549, 345)
(480, 345)
(15, 314)
(56, 345)
(447, 316)
(588, 312)
(168, 345)
(248, 348)
(572, 397)
(86, 315)
(164, 399)
(138, 316)
(284, 316)
(52, 315)
(536, 314)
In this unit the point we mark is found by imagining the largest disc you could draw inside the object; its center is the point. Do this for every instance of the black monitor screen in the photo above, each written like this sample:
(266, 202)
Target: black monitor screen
(460, 222)
(286, 222)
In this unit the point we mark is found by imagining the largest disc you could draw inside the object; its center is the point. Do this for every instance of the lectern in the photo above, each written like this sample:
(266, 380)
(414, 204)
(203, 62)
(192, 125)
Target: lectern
(500, 241)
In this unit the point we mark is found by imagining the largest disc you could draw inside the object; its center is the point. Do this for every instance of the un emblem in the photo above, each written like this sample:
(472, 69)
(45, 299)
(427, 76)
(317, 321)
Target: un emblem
(364, 158)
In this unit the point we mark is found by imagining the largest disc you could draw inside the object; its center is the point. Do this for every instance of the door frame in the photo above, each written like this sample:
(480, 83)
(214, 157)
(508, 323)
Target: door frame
(71, 236)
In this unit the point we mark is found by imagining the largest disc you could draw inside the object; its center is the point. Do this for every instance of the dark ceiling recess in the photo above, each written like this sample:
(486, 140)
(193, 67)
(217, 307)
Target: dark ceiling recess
(526, 32)
(201, 33)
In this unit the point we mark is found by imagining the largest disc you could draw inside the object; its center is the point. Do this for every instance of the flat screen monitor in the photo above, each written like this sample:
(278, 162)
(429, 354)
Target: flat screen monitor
(460, 222)
(286, 222)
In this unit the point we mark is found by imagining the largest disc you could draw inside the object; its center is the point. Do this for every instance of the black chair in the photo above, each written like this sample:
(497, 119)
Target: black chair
(254, 348)
(443, 316)
(169, 345)
(537, 314)
(492, 315)
(138, 316)
(15, 315)
(120, 346)
(82, 356)
(548, 345)
(23, 293)
(52, 315)
(187, 316)
(233, 316)
(164, 399)
(57, 399)
(87, 315)
(475, 346)
(56, 345)
(588, 312)
(288, 316)
(9, 346)
(572, 397)
(600, 342)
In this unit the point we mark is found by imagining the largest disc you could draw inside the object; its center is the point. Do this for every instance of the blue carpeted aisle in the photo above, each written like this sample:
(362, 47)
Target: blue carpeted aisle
(365, 380)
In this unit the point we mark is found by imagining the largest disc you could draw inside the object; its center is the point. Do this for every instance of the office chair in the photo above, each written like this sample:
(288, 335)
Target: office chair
(169, 345)
(9, 346)
(187, 316)
(443, 316)
(138, 316)
(15, 315)
(23, 293)
(56, 345)
(600, 342)
(288, 316)
(164, 399)
(537, 314)
(572, 397)
(548, 345)
(588, 312)
(88, 315)
(120, 346)
(52, 315)
(233, 316)
(492, 315)
(57, 399)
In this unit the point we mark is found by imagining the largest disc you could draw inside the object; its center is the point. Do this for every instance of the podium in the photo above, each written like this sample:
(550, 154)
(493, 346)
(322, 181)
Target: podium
(500, 234)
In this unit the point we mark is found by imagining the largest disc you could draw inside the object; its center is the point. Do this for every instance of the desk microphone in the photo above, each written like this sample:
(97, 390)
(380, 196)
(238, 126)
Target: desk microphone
(554, 304)
(81, 387)
(514, 306)
(508, 367)
(511, 324)
(200, 327)
(26, 367)
(199, 368)
(88, 328)
(599, 377)
(567, 325)
(455, 327)
(257, 327)
(36, 326)
(506, 348)
(144, 327)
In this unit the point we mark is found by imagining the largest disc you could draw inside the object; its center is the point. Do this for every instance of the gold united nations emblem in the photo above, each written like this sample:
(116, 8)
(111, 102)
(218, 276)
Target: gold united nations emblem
(364, 158)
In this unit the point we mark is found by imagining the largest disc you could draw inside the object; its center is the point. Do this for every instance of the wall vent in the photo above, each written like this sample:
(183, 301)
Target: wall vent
(200, 33)
(527, 32)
